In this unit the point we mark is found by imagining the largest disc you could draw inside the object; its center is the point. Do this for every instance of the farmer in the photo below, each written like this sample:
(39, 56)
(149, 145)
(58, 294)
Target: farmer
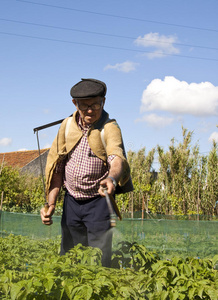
(79, 160)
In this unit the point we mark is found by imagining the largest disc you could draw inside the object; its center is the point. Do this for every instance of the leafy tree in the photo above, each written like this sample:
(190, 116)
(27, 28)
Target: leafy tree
(22, 192)
(186, 183)
(141, 172)
(211, 186)
(12, 184)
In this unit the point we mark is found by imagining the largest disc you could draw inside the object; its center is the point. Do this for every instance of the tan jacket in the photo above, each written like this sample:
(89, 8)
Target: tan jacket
(62, 145)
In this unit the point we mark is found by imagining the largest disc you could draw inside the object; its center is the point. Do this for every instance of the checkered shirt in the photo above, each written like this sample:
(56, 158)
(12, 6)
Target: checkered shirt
(83, 169)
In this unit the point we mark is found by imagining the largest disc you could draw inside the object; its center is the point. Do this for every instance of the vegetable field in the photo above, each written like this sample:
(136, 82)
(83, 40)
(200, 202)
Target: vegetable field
(33, 269)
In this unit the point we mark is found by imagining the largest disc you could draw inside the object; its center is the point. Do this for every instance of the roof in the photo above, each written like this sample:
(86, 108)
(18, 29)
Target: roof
(20, 158)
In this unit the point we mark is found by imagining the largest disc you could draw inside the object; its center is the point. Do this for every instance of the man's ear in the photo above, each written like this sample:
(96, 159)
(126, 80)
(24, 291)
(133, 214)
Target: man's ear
(74, 102)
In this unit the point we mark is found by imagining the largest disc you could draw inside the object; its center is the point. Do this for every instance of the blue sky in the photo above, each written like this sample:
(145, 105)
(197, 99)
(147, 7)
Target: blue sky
(158, 58)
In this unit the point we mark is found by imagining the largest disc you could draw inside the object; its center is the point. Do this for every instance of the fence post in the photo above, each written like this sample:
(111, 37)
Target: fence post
(1, 213)
(2, 200)
(132, 209)
(143, 208)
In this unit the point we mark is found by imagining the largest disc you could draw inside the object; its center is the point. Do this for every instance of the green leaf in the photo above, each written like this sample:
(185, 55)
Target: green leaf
(128, 292)
(49, 284)
(200, 291)
(68, 287)
(164, 295)
(161, 284)
(82, 292)
(37, 283)
(212, 293)
(191, 292)
(187, 270)
(16, 289)
(215, 260)
(174, 271)
(175, 295)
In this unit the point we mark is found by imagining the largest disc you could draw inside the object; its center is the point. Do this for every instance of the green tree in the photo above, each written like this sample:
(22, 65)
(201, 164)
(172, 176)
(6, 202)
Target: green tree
(187, 181)
(211, 184)
(141, 172)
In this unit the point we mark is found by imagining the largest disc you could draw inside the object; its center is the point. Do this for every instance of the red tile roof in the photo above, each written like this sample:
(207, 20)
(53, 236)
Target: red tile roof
(19, 158)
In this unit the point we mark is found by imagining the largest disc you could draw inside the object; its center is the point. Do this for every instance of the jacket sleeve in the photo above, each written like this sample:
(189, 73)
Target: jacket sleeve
(56, 152)
(115, 146)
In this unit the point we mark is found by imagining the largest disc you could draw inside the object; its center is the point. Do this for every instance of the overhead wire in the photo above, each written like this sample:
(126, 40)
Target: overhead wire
(108, 47)
(105, 34)
(118, 16)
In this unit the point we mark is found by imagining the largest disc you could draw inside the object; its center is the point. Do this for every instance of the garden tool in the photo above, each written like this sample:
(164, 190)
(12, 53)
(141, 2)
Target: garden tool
(41, 168)
(40, 159)
(113, 209)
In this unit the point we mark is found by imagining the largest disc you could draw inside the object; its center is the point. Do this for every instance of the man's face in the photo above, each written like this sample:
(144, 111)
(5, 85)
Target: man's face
(89, 109)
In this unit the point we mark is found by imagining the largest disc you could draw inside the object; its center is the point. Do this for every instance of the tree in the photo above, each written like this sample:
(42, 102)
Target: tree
(141, 172)
(211, 186)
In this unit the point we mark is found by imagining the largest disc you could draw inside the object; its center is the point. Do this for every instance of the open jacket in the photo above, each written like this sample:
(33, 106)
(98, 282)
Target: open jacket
(64, 143)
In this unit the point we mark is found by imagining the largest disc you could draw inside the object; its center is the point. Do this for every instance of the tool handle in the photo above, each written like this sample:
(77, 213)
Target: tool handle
(116, 209)
(46, 206)
(111, 210)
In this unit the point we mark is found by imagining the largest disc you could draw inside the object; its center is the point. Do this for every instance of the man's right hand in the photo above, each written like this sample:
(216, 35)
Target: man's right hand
(47, 216)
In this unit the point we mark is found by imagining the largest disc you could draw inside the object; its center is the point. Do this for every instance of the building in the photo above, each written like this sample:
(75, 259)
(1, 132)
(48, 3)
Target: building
(27, 161)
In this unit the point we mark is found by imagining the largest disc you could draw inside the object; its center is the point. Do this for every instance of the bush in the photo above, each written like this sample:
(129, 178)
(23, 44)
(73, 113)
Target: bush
(23, 192)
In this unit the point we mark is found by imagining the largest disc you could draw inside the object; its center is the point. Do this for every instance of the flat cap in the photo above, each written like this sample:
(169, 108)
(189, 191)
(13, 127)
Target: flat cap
(88, 88)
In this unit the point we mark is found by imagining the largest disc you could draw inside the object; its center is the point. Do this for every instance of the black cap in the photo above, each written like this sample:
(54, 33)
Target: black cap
(88, 88)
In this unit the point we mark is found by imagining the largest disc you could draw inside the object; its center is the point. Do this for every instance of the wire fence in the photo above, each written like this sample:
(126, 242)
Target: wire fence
(167, 235)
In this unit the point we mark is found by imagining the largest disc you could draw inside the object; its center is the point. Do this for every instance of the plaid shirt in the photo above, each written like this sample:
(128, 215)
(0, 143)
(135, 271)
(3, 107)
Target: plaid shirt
(83, 169)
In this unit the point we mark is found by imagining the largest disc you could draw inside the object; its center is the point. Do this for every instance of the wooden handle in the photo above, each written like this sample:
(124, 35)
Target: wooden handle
(115, 207)
(46, 206)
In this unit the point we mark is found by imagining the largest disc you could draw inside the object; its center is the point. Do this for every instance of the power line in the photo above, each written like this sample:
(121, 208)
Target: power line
(103, 46)
(103, 34)
(120, 17)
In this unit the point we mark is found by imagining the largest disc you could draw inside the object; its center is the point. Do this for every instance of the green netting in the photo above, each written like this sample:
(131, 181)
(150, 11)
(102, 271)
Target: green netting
(140, 215)
(168, 237)
(28, 225)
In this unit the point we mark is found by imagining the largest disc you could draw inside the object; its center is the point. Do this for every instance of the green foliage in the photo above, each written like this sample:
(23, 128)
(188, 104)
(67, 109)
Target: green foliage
(141, 172)
(211, 185)
(187, 182)
(32, 269)
(12, 185)
(22, 192)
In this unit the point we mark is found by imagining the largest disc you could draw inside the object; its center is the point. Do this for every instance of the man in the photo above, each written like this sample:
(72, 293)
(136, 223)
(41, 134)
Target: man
(79, 159)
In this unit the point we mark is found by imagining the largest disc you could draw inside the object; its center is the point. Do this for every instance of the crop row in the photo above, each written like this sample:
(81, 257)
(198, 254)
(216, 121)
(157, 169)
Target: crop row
(33, 269)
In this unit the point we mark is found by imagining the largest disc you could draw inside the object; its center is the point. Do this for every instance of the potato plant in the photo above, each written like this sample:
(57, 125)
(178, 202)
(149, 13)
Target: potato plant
(33, 269)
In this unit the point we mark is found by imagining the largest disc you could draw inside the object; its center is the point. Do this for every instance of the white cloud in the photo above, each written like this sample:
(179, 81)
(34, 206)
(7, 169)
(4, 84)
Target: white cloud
(161, 44)
(156, 121)
(214, 137)
(180, 97)
(125, 67)
(5, 142)
(23, 149)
